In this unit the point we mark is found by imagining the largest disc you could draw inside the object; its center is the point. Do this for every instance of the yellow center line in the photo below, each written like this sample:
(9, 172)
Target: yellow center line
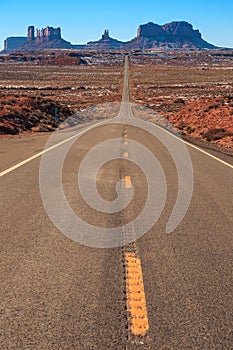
(126, 143)
(135, 294)
(126, 154)
(127, 181)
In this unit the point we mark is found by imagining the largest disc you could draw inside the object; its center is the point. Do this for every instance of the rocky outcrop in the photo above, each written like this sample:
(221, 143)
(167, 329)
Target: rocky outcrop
(46, 38)
(44, 34)
(151, 31)
(13, 43)
(184, 34)
(177, 35)
(105, 36)
(31, 33)
(48, 34)
(105, 43)
(181, 29)
(174, 35)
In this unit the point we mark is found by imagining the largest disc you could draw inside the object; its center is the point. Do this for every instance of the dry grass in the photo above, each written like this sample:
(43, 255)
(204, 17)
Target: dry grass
(71, 88)
(197, 101)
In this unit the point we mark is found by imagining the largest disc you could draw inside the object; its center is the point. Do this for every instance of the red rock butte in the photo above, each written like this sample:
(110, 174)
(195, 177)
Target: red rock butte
(174, 35)
(44, 34)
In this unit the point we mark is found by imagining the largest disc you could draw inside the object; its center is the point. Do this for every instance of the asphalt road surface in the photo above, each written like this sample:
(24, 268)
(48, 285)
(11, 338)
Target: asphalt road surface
(159, 291)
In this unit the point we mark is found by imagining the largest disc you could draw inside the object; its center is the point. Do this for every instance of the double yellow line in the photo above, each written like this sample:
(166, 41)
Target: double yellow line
(135, 293)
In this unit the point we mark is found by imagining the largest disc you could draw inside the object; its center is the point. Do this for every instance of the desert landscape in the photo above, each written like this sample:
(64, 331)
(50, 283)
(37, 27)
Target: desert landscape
(44, 91)
(116, 159)
(193, 90)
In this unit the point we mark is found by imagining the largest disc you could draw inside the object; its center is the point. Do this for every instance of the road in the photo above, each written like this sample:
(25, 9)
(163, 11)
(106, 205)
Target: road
(159, 291)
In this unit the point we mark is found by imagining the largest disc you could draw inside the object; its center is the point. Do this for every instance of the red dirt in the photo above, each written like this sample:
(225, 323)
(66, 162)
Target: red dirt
(210, 119)
(56, 58)
(20, 114)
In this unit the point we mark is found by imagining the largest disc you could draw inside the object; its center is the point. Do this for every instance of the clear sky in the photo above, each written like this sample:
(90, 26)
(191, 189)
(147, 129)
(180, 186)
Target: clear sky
(85, 20)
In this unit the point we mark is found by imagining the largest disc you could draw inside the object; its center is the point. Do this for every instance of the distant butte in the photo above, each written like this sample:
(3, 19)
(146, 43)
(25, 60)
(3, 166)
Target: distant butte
(105, 43)
(174, 35)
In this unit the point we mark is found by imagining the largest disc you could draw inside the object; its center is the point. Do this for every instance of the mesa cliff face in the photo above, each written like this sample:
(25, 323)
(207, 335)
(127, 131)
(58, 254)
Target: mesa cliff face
(174, 35)
(45, 38)
(181, 29)
(43, 35)
(177, 35)
(150, 31)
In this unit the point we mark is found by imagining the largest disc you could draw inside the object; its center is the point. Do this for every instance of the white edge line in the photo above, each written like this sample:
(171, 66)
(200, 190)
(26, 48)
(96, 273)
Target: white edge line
(199, 149)
(18, 165)
(193, 146)
(210, 155)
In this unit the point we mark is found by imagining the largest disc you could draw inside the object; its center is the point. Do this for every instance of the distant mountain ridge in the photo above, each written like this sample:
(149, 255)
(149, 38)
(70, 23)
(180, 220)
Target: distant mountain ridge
(173, 35)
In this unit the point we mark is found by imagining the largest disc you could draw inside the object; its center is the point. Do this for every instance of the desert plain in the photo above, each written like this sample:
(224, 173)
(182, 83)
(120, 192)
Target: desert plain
(192, 90)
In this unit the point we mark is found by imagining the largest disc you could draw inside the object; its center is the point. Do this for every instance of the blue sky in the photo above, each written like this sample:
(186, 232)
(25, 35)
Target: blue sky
(82, 21)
